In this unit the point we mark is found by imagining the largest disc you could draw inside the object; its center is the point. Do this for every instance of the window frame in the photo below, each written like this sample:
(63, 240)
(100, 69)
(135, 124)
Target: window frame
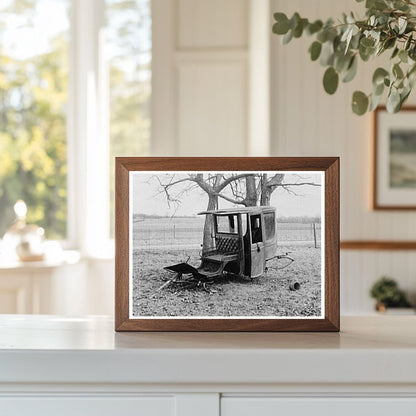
(87, 132)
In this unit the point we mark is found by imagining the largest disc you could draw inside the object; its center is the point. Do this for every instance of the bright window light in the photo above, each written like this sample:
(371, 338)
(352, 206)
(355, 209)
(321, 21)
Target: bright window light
(129, 52)
(33, 103)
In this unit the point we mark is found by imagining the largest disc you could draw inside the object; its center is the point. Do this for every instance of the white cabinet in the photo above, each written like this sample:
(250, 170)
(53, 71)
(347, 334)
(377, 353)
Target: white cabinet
(65, 366)
(88, 406)
(271, 406)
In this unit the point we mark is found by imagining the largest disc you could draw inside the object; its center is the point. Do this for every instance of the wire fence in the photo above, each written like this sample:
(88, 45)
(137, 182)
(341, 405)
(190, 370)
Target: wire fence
(177, 236)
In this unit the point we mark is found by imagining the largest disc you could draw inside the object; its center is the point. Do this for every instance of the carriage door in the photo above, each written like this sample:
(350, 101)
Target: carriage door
(257, 246)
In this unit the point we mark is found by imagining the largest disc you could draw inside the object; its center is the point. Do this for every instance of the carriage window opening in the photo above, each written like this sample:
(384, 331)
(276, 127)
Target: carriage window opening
(244, 224)
(256, 235)
(227, 224)
(270, 225)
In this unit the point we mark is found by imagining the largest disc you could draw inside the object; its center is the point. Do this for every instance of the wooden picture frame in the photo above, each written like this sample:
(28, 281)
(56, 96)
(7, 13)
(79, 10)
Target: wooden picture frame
(394, 184)
(132, 178)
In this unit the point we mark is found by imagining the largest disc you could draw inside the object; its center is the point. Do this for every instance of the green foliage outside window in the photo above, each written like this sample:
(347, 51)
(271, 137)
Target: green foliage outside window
(129, 41)
(34, 103)
(33, 99)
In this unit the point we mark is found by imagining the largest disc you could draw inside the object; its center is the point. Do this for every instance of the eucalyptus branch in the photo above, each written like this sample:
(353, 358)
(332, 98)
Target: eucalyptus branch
(389, 26)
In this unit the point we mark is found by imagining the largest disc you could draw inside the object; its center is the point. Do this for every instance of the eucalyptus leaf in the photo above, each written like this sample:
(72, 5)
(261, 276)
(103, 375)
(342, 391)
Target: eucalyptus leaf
(315, 50)
(366, 53)
(376, 4)
(314, 27)
(298, 30)
(393, 101)
(403, 56)
(294, 20)
(322, 36)
(342, 62)
(402, 22)
(327, 54)
(281, 27)
(330, 80)
(374, 102)
(288, 37)
(379, 75)
(397, 71)
(350, 18)
(389, 43)
(395, 52)
(400, 5)
(412, 70)
(359, 103)
(412, 52)
(350, 73)
(378, 89)
(367, 42)
(404, 96)
(411, 78)
(353, 30)
(346, 34)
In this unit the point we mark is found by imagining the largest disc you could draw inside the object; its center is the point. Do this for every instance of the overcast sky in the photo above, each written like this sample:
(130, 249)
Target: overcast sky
(149, 197)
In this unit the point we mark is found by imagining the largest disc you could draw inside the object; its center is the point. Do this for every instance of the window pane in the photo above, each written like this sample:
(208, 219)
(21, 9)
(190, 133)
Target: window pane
(227, 224)
(33, 100)
(129, 51)
(270, 225)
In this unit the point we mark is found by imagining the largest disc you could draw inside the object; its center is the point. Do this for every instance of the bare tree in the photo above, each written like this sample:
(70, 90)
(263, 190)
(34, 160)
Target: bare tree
(213, 185)
(246, 189)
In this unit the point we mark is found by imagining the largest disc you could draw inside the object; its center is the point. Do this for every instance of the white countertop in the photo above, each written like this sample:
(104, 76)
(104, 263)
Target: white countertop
(52, 349)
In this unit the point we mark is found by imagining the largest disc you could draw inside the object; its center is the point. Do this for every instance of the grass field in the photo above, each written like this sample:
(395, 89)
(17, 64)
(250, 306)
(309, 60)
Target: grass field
(268, 295)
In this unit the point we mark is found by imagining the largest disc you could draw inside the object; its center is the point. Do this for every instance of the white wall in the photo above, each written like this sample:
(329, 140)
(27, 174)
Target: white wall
(308, 122)
(211, 93)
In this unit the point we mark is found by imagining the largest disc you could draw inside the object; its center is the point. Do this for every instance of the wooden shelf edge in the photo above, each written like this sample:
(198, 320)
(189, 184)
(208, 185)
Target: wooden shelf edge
(378, 245)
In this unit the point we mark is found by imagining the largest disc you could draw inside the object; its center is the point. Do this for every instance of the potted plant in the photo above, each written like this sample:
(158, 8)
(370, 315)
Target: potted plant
(389, 27)
(387, 294)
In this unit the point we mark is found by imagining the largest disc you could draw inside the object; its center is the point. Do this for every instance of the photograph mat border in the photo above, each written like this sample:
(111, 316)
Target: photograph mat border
(321, 173)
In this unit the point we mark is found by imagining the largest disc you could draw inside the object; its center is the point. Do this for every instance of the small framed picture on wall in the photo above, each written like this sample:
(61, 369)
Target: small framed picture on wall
(394, 150)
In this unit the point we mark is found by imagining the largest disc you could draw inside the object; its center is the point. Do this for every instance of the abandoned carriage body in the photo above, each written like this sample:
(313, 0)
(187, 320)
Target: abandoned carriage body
(243, 240)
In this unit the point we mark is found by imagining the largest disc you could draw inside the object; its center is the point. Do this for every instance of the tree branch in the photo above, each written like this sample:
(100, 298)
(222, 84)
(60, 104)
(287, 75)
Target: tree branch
(300, 184)
(232, 179)
(233, 201)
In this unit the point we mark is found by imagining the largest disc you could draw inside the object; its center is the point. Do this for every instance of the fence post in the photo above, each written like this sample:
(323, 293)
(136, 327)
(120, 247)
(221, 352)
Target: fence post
(314, 234)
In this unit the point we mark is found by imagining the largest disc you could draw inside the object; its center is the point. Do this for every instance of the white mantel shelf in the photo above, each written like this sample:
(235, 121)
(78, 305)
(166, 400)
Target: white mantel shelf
(376, 350)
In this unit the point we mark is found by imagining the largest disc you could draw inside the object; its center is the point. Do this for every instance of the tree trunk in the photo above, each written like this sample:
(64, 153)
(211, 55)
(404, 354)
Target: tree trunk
(251, 192)
(209, 242)
(268, 186)
(265, 195)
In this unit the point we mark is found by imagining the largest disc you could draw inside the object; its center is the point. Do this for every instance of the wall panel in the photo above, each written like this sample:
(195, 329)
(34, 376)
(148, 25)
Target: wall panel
(212, 108)
(212, 24)
(200, 77)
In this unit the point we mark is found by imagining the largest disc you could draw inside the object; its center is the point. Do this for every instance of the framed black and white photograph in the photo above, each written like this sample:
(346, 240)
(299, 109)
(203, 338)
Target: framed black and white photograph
(253, 247)
(394, 184)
